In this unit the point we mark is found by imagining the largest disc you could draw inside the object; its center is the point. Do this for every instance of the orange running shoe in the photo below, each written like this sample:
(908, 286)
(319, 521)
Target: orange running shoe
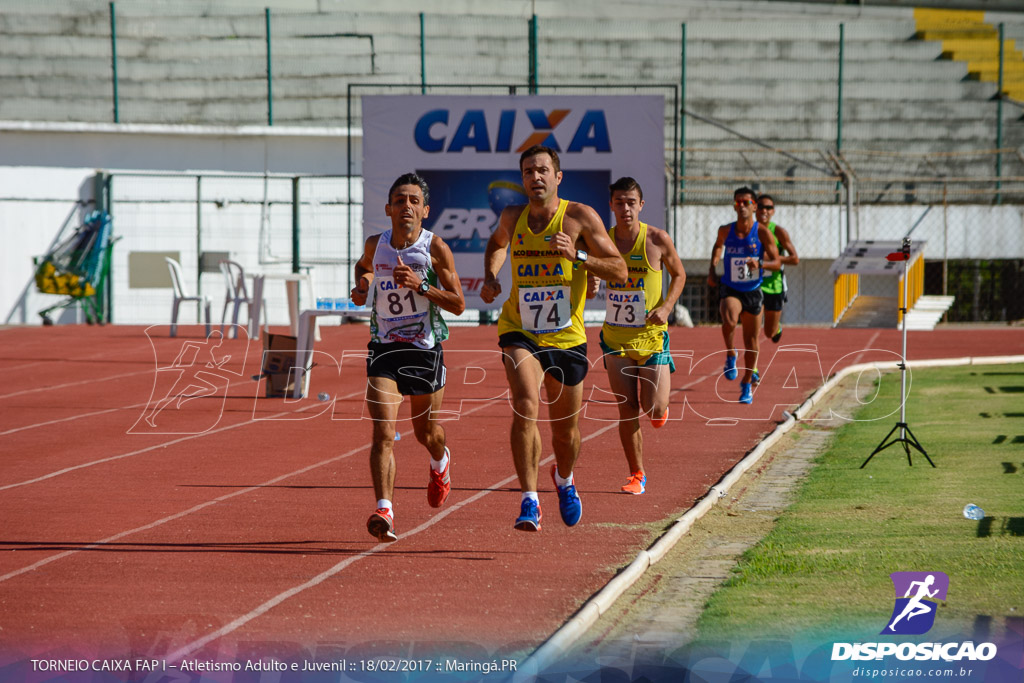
(381, 524)
(637, 484)
(440, 484)
(659, 422)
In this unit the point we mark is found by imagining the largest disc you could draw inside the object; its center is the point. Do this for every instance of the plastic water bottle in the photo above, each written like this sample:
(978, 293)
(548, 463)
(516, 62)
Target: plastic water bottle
(972, 511)
(324, 396)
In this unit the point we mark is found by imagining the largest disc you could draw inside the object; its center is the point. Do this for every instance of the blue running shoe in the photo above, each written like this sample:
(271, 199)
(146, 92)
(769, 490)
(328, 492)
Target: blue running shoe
(746, 393)
(529, 516)
(756, 379)
(569, 503)
(730, 368)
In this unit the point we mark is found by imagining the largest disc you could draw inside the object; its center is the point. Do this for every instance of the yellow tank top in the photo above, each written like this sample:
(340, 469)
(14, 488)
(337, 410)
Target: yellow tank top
(628, 303)
(548, 290)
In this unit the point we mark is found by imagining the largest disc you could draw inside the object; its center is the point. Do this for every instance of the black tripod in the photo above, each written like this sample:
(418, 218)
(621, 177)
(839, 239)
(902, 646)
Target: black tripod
(902, 425)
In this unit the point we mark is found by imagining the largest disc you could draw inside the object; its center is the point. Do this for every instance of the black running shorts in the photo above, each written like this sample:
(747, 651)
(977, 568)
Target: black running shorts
(751, 300)
(773, 302)
(568, 366)
(416, 371)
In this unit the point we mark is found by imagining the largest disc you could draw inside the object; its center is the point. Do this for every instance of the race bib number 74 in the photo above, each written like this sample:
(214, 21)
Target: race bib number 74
(544, 309)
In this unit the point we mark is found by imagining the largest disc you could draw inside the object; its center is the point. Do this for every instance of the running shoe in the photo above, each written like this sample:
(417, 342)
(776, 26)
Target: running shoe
(659, 422)
(529, 516)
(778, 335)
(637, 483)
(569, 503)
(440, 484)
(730, 368)
(756, 378)
(381, 524)
(746, 393)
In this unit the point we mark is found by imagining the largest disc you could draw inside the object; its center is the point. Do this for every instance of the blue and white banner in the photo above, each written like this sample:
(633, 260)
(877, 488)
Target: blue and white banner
(467, 149)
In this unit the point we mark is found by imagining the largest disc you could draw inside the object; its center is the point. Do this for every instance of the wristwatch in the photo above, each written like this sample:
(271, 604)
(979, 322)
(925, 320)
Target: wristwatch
(581, 256)
(424, 287)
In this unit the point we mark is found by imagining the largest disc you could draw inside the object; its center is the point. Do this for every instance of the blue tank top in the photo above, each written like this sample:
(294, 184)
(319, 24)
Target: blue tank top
(736, 253)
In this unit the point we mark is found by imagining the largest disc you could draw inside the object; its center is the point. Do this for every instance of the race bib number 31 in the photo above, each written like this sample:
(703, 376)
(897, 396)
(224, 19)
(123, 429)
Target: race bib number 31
(396, 303)
(544, 309)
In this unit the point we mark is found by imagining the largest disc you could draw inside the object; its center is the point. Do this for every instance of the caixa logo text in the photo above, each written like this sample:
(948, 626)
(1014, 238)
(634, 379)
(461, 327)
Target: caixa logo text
(436, 131)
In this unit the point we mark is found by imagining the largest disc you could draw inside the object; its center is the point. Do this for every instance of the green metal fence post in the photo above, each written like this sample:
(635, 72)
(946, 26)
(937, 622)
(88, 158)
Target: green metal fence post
(295, 224)
(999, 119)
(423, 57)
(533, 54)
(113, 58)
(682, 121)
(199, 243)
(839, 109)
(270, 80)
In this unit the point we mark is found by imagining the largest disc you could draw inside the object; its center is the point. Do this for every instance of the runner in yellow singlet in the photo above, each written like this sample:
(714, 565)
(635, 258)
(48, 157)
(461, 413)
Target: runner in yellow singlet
(555, 243)
(634, 337)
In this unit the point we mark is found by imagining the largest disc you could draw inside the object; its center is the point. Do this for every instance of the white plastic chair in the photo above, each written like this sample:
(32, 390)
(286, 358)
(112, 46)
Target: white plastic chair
(181, 294)
(237, 294)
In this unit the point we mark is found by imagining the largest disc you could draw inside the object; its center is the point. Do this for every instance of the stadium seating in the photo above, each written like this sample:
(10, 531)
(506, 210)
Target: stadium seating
(766, 70)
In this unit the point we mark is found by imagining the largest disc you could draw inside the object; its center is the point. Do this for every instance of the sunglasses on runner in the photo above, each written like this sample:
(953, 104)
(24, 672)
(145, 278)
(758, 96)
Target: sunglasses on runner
(769, 207)
(743, 202)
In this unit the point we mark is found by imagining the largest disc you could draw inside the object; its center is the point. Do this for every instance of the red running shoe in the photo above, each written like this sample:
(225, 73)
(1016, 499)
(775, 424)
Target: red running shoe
(440, 484)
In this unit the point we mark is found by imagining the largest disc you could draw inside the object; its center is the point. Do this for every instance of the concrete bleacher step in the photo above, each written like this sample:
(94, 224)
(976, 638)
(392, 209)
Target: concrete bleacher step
(928, 311)
(871, 311)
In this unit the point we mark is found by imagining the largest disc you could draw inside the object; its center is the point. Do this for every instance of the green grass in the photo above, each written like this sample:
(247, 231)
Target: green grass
(824, 569)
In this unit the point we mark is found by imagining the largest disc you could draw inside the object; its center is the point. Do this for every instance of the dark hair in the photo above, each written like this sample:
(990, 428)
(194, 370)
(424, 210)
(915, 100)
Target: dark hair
(766, 196)
(411, 179)
(540, 149)
(625, 184)
(745, 190)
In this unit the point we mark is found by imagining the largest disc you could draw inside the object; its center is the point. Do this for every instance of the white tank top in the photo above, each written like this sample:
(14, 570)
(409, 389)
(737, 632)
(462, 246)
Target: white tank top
(399, 314)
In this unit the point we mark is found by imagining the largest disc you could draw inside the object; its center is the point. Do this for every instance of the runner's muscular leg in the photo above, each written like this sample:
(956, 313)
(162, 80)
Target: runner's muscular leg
(524, 373)
(564, 407)
(426, 412)
(730, 309)
(751, 331)
(383, 402)
(622, 380)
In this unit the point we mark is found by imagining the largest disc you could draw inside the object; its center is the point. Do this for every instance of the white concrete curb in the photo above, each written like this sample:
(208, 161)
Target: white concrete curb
(560, 641)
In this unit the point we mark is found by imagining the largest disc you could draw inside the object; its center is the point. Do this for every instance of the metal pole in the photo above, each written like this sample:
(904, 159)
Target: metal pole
(348, 185)
(423, 57)
(839, 109)
(113, 58)
(682, 120)
(270, 80)
(199, 244)
(295, 224)
(903, 357)
(532, 54)
(999, 118)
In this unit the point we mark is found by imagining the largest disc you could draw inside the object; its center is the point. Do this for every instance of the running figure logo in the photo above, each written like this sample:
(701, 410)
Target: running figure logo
(917, 598)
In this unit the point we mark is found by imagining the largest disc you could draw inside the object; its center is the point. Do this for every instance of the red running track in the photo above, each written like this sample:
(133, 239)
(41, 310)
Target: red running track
(234, 526)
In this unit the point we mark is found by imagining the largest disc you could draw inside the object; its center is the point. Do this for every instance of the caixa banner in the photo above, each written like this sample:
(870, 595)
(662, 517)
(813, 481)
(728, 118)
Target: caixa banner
(467, 149)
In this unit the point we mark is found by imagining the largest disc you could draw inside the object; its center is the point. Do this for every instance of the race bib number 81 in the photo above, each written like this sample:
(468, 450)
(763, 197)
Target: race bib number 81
(544, 309)
(395, 303)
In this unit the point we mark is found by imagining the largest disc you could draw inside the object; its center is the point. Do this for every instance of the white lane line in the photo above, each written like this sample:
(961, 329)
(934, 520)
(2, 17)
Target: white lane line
(360, 449)
(265, 607)
(72, 418)
(91, 380)
(867, 347)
